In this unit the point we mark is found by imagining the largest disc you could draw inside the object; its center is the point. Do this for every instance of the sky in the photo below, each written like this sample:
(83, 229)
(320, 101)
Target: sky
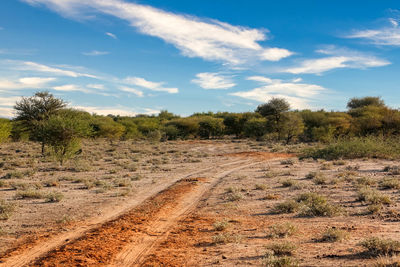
(127, 57)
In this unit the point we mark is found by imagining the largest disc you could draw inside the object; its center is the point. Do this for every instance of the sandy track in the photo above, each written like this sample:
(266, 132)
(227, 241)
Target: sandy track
(26, 256)
(135, 253)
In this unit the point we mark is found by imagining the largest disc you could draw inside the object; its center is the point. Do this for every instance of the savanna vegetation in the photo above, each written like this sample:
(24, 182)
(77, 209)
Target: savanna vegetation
(368, 128)
(60, 165)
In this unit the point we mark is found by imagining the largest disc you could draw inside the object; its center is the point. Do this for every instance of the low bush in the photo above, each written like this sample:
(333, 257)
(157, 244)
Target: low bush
(6, 209)
(357, 147)
(334, 234)
(282, 248)
(376, 246)
(282, 230)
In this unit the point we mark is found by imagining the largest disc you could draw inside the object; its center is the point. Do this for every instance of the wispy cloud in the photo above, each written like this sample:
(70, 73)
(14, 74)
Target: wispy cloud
(154, 86)
(41, 68)
(111, 35)
(96, 86)
(210, 80)
(70, 88)
(95, 53)
(25, 83)
(337, 58)
(194, 37)
(131, 90)
(299, 95)
(387, 35)
(118, 110)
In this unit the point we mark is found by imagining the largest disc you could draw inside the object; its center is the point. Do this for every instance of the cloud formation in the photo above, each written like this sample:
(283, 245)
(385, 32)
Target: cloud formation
(154, 86)
(209, 80)
(37, 67)
(95, 53)
(299, 95)
(388, 35)
(335, 59)
(111, 35)
(119, 110)
(194, 37)
(25, 83)
(131, 90)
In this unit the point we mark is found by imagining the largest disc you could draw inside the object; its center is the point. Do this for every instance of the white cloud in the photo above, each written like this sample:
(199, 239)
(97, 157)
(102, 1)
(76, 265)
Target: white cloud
(194, 37)
(389, 35)
(69, 88)
(154, 86)
(37, 67)
(9, 101)
(275, 54)
(299, 95)
(119, 110)
(96, 86)
(95, 53)
(111, 35)
(209, 80)
(132, 90)
(337, 58)
(7, 112)
(260, 79)
(25, 83)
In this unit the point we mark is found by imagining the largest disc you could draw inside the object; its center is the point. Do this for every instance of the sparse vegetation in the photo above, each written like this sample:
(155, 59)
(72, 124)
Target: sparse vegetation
(282, 230)
(333, 234)
(6, 210)
(376, 246)
(285, 248)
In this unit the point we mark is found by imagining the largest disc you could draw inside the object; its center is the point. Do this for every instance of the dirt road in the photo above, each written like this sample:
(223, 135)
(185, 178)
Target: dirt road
(125, 236)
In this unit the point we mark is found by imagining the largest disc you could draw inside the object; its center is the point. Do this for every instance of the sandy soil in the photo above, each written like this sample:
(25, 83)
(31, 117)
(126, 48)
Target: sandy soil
(171, 215)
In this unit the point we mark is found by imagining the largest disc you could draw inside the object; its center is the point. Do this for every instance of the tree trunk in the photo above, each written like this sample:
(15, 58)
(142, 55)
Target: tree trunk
(43, 149)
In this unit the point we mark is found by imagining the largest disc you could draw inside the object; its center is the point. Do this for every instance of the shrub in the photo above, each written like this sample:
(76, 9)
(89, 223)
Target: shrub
(366, 181)
(220, 225)
(282, 230)
(6, 209)
(316, 205)
(63, 132)
(224, 238)
(320, 180)
(394, 170)
(273, 261)
(376, 246)
(260, 187)
(235, 196)
(372, 196)
(289, 206)
(288, 183)
(54, 197)
(5, 129)
(210, 127)
(29, 194)
(334, 234)
(390, 183)
(282, 248)
(357, 147)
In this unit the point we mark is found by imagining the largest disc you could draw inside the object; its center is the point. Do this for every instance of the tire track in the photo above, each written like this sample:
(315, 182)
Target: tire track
(23, 258)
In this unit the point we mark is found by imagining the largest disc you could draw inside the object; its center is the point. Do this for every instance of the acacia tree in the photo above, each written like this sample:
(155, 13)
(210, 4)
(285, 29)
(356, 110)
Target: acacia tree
(275, 111)
(33, 112)
(64, 131)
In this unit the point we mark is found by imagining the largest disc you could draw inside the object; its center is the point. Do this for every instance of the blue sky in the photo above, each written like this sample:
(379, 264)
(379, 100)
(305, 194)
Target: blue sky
(128, 57)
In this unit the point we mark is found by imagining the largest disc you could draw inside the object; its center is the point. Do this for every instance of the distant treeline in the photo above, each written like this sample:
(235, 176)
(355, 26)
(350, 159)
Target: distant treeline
(270, 121)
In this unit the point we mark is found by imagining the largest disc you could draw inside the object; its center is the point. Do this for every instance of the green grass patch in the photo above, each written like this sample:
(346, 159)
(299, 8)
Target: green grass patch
(356, 147)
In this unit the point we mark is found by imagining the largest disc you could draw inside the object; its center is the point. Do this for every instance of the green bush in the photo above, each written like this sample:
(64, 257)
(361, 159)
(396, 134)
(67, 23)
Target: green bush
(378, 246)
(5, 130)
(357, 147)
